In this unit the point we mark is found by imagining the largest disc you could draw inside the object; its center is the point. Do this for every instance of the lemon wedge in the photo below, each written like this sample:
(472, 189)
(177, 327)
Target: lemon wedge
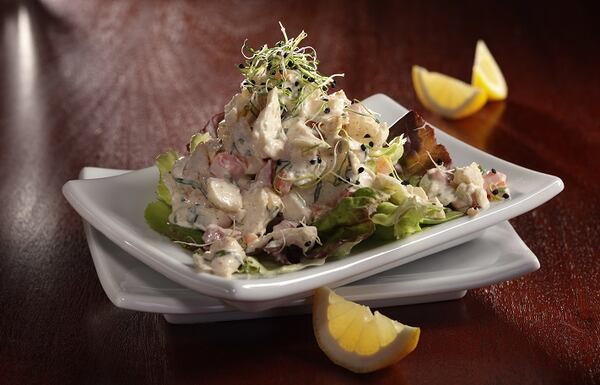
(355, 338)
(487, 74)
(445, 95)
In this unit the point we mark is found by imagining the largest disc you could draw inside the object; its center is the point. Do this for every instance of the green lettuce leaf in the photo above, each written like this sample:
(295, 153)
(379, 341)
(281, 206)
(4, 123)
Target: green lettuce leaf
(409, 223)
(165, 163)
(386, 215)
(346, 224)
(384, 233)
(343, 239)
(403, 218)
(349, 211)
(404, 215)
(394, 150)
(366, 192)
(157, 216)
(391, 154)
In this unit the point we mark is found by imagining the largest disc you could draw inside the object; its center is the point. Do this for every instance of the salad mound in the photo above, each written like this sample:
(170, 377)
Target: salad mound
(291, 173)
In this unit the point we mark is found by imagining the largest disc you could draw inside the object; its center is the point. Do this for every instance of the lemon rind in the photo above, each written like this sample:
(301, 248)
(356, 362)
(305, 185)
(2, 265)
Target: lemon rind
(495, 90)
(472, 103)
(404, 343)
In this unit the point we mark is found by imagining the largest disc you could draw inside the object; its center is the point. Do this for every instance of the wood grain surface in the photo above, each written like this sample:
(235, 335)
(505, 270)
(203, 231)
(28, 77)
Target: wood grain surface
(113, 83)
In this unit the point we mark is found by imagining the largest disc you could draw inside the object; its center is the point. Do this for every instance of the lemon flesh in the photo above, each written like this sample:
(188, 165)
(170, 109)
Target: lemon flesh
(445, 95)
(487, 75)
(355, 338)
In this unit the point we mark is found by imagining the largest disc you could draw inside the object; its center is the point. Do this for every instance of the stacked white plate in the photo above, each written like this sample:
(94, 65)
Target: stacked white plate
(142, 270)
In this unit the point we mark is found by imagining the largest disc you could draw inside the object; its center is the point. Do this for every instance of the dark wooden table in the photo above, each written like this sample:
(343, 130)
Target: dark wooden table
(113, 83)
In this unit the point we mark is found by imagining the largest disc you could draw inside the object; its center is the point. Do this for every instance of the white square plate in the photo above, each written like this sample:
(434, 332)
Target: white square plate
(115, 207)
(497, 255)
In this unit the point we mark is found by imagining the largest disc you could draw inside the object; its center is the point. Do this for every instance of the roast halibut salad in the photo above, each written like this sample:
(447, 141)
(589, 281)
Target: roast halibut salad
(293, 173)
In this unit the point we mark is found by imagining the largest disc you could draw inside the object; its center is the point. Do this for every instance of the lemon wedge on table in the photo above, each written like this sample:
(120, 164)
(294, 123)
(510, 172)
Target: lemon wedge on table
(487, 75)
(445, 95)
(355, 338)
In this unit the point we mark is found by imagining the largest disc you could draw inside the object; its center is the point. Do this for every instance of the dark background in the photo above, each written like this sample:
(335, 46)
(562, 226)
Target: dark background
(113, 83)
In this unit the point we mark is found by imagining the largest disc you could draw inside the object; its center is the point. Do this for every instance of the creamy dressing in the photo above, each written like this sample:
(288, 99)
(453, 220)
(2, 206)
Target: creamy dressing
(303, 237)
(470, 193)
(318, 155)
(223, 258)
(436, 184)
(262, 204)
(224, 195)
(295, 207)
(464, 188)
(267, 136)
(288, 151)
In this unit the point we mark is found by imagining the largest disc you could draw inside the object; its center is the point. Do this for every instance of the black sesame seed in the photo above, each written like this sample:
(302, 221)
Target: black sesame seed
(439, 162)
(285, 55)
(363, 147)
(324, 88)
(313, 161)
(241, 65)
(296, 83)
(268, 66)
(361, 169)
(495, 191)
(505, 196)
(290, 64)
(405, 183)
(307, 243)
(327, 110)
(325, 99)
(371, 144)
(367, 136)
(319, 160)
(289, 89)
(494, 171)
(311, 80)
